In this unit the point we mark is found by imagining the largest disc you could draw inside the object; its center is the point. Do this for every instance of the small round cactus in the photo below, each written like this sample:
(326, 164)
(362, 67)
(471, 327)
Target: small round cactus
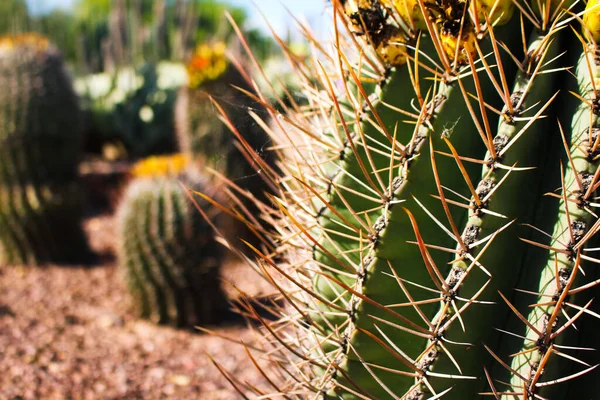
(166, 248)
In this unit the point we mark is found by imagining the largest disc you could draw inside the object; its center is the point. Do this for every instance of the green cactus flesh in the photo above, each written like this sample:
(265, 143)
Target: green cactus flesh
(390, 222)
(438, 227)
(40, 206)
(168, 254)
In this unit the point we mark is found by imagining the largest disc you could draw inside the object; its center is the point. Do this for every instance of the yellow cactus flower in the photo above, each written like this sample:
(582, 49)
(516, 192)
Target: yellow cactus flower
(467, 46)
(392, 50)
(370, 18)
(498, 12)
(170, 165)
(32, 40)
(207, 64)
(411, 13)
(591, 20)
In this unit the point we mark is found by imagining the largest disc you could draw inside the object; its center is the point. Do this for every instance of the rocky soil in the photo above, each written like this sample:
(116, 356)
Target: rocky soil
(67, 332)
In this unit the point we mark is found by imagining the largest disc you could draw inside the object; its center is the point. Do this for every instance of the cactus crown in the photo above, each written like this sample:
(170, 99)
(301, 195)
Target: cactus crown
(208, 62)
(161, 166)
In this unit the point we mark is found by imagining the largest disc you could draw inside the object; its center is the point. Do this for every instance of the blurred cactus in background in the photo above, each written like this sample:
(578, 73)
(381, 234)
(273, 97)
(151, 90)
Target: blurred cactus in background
(165, 247)
(200, 132)
(40, 147)
(279, 80)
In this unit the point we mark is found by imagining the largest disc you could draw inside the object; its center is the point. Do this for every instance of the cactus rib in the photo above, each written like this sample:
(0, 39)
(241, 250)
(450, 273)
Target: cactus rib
(571, 232)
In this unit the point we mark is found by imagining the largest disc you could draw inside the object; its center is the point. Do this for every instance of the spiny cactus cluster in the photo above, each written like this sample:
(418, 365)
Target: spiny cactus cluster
(166, 249)
(437, 216)
(40, 144)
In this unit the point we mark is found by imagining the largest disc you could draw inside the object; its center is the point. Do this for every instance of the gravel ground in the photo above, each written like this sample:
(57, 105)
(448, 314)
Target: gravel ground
(68, 333)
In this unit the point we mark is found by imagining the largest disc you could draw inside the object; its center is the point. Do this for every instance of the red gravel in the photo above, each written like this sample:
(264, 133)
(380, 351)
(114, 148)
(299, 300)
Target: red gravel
(68, 333)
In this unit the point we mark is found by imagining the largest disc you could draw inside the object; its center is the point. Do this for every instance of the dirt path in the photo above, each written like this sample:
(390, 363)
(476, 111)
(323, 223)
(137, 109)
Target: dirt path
(67, 333)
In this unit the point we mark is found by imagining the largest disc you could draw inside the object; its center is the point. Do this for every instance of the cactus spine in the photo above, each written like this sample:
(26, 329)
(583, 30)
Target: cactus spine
(166, 249)
(40, 140)
(412, 207)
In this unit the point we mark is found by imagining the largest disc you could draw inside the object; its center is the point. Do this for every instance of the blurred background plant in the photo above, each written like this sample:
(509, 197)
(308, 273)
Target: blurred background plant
(40, 148)
(128, 60)
(151, 78)
(154, 76)
(126, 67)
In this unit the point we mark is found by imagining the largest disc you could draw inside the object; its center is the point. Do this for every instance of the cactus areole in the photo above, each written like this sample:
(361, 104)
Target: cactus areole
(437, 213)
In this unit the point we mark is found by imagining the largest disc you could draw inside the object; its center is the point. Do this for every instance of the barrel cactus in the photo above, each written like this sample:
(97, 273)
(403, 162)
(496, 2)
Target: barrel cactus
(40, 146)
(165, 247)
(437, 212)
(132, 105)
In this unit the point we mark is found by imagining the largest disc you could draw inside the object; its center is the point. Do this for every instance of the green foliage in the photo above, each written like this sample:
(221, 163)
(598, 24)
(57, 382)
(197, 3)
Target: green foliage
(40, 145)
(14, 16)
(168, 253)
(86, 10)
(99, 35)
(155, 30)
(61, 28)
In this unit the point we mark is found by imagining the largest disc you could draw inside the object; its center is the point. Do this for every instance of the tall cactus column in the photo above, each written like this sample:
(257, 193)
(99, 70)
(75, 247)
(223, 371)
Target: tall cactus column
(40, 141)
(201, 133)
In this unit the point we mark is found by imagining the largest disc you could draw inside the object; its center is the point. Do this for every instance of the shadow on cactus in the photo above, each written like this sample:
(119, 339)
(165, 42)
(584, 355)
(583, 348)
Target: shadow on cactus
(165, 247)
(40, 146)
